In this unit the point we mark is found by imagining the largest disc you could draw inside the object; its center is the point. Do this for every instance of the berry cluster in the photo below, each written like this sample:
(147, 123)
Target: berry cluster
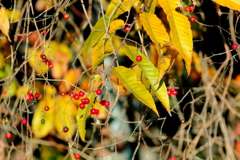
(31, 97)
(105, 103)
(189, 9)
(172, 92)
(46, 61)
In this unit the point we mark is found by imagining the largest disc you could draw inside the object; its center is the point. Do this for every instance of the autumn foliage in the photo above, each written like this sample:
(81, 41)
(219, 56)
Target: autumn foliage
(119, 79)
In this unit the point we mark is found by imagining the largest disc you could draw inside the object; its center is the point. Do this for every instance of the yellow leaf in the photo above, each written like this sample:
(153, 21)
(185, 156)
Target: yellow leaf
(65, 112)
(197, 62)
(163, 65)
(115, 25)
(10, 88)
(151, 5)
(4, 27)
(128, 78)
(82, 116)
(14, 17)
(154, 28)
(1, 60)
(102, 111)
(180, 30)
(36, 62)
(151, 73)
(232, 4)
(41, 130)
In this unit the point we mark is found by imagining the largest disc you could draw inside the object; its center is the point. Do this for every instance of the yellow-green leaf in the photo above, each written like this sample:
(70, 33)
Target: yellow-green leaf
(82, 116)
(129, 80)
(41, 130)
(154, 28)
(151, 5)
(151, 73)
(115, 25)
(115, 8)
(180, 30)
(232, 4)
(65, 115)
(163, 64)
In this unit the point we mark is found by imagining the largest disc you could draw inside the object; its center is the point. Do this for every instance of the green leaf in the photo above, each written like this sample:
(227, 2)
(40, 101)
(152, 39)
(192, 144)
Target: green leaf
(128, 78)
(151, 73)
(82, 116)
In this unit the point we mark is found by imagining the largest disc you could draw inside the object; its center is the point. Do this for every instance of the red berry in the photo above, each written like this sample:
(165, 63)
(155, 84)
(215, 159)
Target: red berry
(97, 111)
(82, 105)
(234, 46)
(81, 93)
(192, 19)
(191, 8)
(62, 94)
(44, 60)
(66, 16)
(30, 97)
(43, 56)
(65, 129)
(98, 91)
(146, 128)
(37, 95)
(29, 93)
(50, 66)
(127, 29)
(77, 156)
(49, 63)
(187, 9)
(24, 121)
(71, 94)
(83, 100)
(4, 92)
(15, 123)
(76, 97)
(45, 32)
(106, 103)
(169, 92)
(8, 135)
(175, 92)
(139, 58)
(172, 158)
(102, 102)
(87, 100)
(93, 111)
(46, 108)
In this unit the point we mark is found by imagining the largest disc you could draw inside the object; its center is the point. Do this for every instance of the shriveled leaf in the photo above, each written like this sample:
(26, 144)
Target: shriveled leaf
(4, 27)
(42, 130)
(128, 78)
(154, 28)
(82, 116)
(151, 72)
(180, 30)
(163, 65)
(232, 4)
(1, 60)
(65, 115)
